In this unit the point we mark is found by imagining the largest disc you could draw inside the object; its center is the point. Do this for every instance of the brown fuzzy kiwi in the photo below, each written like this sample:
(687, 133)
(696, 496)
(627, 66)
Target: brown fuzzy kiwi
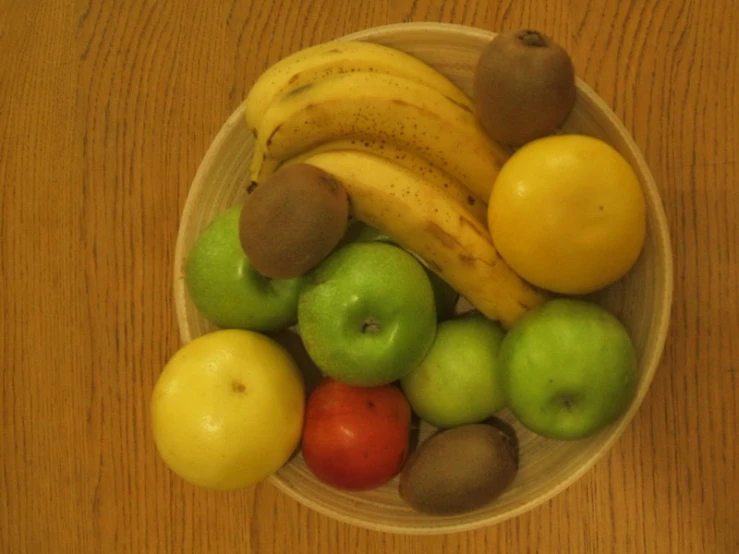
(293, 220)
(459, 469)
(524, 87)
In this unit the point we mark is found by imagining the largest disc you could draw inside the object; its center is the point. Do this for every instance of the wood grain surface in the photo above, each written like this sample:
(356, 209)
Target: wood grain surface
(106, 109)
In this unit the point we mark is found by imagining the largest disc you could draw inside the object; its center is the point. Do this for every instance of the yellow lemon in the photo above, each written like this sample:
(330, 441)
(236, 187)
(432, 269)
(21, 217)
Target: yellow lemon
(227, 410)
(568, 214)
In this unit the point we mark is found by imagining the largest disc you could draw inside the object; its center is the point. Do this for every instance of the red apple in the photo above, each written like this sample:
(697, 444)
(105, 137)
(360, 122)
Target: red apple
(356, 438)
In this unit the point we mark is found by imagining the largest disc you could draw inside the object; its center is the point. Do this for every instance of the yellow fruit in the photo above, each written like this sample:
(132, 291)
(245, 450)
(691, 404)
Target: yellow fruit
(227, 410)
(567, 213)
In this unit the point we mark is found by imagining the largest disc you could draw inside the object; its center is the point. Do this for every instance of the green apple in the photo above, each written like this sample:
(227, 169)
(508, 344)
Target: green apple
(569, 369)
(459, 380)
(225, 287)
(366, 314)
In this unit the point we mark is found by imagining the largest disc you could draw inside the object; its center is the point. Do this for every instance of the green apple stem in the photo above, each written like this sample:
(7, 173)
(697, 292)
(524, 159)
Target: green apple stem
(371, 326)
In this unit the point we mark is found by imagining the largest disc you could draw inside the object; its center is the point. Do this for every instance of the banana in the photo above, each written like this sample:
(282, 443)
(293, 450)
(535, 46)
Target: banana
(435, 177)
(421, 219)
(382, 107)
(336, 57)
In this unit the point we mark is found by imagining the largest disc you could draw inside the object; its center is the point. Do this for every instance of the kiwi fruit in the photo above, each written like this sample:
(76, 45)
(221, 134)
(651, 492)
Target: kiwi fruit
(293, 220)
(524, 87)
(460, 469)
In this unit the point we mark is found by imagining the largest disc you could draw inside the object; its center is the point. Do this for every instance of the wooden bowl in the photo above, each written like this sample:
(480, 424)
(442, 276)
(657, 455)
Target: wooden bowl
(642, 300)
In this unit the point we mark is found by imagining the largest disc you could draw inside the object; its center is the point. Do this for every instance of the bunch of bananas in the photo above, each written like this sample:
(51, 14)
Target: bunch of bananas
(405, 142)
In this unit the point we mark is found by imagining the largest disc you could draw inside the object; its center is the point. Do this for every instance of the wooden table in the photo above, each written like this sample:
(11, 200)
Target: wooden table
(106, 109)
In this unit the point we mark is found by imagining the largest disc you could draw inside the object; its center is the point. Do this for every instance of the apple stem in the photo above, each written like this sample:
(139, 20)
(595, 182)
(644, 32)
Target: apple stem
(370, 326)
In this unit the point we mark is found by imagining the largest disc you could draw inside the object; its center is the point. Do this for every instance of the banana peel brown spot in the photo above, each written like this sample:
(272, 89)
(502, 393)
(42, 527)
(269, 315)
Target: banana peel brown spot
(268, 142)
(448, 240)
(298, 90)
(525, 305)
(476, 228)
(491, 263)
(460, 104)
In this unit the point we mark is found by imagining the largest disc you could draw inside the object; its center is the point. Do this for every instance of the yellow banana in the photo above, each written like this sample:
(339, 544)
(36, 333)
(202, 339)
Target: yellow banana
(336, 57)
(422, 219)
(387, 108)
(435, 177)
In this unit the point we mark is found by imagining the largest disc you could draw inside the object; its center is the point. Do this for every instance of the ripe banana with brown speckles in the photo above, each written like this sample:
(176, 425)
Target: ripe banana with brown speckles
(435, 177)
(337, 57)
(387, 108)
(442, 233)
